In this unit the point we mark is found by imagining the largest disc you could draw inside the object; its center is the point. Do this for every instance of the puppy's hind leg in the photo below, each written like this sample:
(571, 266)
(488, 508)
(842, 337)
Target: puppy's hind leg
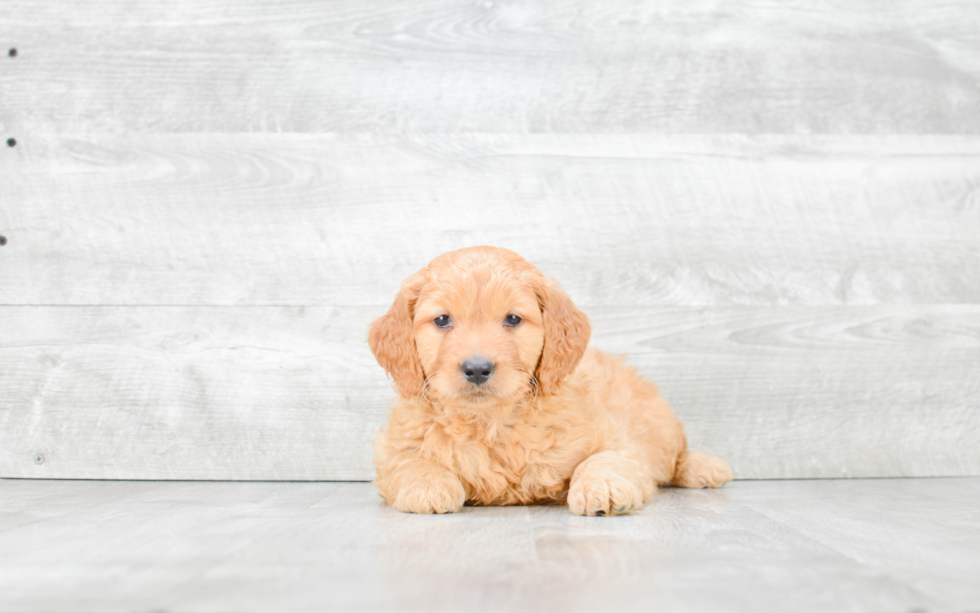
(697, 470)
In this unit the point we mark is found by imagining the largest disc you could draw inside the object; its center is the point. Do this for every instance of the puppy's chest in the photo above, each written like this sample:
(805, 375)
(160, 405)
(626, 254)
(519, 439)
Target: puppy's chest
(512, 463)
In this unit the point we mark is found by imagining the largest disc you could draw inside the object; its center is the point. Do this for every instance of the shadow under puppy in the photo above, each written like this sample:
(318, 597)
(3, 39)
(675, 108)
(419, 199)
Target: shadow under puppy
(501, 402)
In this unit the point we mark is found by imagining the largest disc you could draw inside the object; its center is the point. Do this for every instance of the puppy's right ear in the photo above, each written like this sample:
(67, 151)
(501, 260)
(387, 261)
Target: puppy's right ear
(393, 343)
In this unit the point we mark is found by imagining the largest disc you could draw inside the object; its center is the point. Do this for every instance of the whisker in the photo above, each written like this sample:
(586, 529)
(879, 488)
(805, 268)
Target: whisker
(425, 387)
(534, 386)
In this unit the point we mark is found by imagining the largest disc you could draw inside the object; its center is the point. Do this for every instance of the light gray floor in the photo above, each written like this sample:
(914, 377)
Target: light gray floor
(842, 545)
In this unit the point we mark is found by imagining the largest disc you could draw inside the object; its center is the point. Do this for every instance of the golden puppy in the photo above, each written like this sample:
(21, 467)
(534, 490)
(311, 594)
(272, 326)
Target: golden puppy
(500, 402)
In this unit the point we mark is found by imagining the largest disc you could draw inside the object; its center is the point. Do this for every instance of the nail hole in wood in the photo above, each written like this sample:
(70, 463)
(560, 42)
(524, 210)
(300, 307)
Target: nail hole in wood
(3, 241)
(12, 53)
(11, 142)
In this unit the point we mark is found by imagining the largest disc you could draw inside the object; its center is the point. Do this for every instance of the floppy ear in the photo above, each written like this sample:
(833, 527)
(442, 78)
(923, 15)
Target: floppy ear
(566, 335)
(393, 344)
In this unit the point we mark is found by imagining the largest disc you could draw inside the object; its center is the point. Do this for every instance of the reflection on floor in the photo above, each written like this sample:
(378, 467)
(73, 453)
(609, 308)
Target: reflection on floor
(834, 545)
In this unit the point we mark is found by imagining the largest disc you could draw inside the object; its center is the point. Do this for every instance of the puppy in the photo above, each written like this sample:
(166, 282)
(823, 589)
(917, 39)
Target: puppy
(501, 402)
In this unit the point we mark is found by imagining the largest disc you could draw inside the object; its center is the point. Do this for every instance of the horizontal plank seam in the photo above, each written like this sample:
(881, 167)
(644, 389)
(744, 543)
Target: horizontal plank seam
(581, 305)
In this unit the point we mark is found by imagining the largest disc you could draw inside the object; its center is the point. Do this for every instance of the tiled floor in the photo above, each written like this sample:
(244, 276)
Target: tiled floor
(844, 545)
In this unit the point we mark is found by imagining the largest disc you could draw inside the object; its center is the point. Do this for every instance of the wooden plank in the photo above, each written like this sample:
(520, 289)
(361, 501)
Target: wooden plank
(866, 520)
(487, 66)
(862, 545)
(198, 393)
(294, 393)
(892, 391)
(619, 219)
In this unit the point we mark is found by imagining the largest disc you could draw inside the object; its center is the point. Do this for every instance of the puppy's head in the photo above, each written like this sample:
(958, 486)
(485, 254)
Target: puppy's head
(479, 325)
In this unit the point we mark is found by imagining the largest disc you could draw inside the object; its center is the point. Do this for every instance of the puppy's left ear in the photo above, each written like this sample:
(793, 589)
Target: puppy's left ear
(392, 340)
(566, 335)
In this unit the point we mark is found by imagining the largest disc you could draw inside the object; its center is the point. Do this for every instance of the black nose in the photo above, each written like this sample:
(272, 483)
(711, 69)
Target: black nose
(477, 370)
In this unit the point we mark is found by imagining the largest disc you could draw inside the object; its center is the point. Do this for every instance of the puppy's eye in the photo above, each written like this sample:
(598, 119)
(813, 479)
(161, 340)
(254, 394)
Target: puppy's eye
(512, 320)
(442, 321)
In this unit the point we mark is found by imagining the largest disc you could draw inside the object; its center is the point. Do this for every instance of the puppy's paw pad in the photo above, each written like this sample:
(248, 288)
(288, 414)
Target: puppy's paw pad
(441, 496)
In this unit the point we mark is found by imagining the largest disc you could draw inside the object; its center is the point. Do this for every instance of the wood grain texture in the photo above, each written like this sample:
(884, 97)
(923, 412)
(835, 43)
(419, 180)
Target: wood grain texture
(773, 208)
(492, 66)
(864, 522)
(294, 393)
(618, 219)
(815, 546)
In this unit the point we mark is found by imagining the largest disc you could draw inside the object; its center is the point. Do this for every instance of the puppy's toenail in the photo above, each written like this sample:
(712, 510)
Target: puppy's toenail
(600, 513)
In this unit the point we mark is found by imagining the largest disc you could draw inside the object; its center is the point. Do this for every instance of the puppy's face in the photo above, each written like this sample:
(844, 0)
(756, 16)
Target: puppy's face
(478, 326)
(479, 335)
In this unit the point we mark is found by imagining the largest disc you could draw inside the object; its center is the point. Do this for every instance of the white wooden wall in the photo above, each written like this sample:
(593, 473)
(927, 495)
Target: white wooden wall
(772, 208)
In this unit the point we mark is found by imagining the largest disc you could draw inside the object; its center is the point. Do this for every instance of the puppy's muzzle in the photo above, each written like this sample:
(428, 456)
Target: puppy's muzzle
(477, 370)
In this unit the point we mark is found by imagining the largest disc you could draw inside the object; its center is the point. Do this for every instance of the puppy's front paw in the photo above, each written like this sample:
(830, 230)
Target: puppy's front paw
(603, 492)
(441, 495)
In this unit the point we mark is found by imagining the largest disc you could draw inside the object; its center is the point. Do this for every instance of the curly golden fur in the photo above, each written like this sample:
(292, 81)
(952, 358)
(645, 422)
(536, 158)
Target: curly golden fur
(553, 422)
